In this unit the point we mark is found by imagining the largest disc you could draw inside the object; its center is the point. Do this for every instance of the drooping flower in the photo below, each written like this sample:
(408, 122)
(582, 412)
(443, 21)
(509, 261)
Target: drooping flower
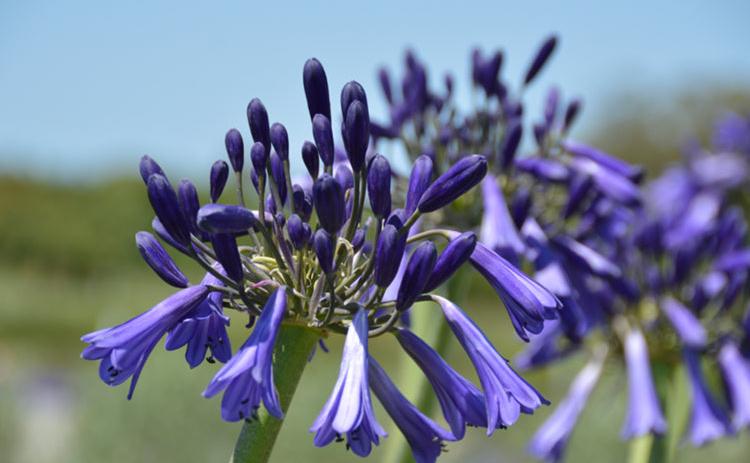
(506, 393)
(424, 436)
(688, 327)
(708, 421)
(159, 260)
(348, 411)
(736, 372)
(498, 230)
(247, 379)
(644, 414)
(124, 349)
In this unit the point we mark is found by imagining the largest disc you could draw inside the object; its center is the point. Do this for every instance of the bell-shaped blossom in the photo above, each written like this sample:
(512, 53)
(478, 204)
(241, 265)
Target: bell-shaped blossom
(506, 393)
(424, 436)
(644, 414)
(348, 411)
(708, 421)
(498, 230)
(688, 327)
(736, 372)
(159, 260)
(124, 349)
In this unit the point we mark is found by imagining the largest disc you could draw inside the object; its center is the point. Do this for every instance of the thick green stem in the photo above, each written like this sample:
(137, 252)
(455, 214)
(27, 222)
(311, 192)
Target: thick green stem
(429, 324)
(257, 438)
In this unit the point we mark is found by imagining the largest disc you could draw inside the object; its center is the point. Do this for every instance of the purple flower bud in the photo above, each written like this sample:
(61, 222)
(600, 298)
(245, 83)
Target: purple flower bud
(385, 85)
(328, 198)
(316, 88)
(218, 179)
(162, 233)
(259, 157)
(359, 239)
(257, 119)
(343, 174)
(509, 146)
(222, 218)
(310, 157)
(457, 180)
(164, 202)
(187, 197)
(225, 248)
(546, 170)
(688, 327)
(736, 373)
(418, 271)
(520, 206)
(644, 414)
(302, 202)
(551, 106)
(279, 177)
(159, 260)
(298, 234)
(545, 51)
(356, 134)
(579, 187)
(280, 140)
(451, 259)
(235, 149)
(419, 180)
(323, 247)
(571, 113)
(148, 167)
(540, 134)
(323, 135)
(390, 248)
(351, 92)
(379, 186)
(634, 173)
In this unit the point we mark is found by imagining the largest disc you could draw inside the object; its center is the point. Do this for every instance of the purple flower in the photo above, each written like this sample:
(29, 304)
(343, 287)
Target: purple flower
(259, 158)
(454, 255)
(498, 230)
(159, 260)
(546, 170)
(390, 250)
(356, 133)
(419, 180)
(124, 349)
(417, 273)
(424, 436)
(225, 248)
(222, 218)
(551, 439)
(511, 140)
(257, 119)
(166, 206)
(247, 379)
(149, 167)
(235, 149)
(348, 410)
(506, 393)
(634, 173)
(644, 414)
(379, 186)
(323, 136)
(540, 59)
(203, 328)
(461, 402)
(457, 180)
(610, 183)
(310, 158)
(528, 303)
(328, 198)
(280, 140)
(688, 327)
(736, 373)
(218, 179)
(316, 88)
(323, 247)
(707, 420)
(571, 113)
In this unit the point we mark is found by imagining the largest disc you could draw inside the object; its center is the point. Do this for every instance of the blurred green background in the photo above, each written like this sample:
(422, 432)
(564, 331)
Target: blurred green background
(68, 265)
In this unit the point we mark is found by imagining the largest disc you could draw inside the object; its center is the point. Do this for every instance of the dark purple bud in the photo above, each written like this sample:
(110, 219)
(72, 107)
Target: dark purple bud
(551, 106)
(297, 232)
(351, 92)
(280, 140)
(328, 199)
(166, 206)
(544, 169)
(359, 239)
(259, 157)
(310, 157)
(254, 179)
(390, 250)
(159, 260)
(379, 186)
(235, 149)
(453, 256)
(225, 248)
(280, 219)
(397, 218)
(457, 180)
(323, 246)
(540, 133)
(302, 202)
(316, 88)
(270, 204)
(223, 218)
(448, 84)
(279, 177)
(148, 167)
(520, 206)
(571, 113)
(257, 118)
(162, 233)
(218, 179)
(419, 180)
(385, 84)
(418, 271)
(632, 172)
(356, 134)
(545, 51)
(187, 197)
(344, 176)
(580, 185)
(509, 146)
(323, 135)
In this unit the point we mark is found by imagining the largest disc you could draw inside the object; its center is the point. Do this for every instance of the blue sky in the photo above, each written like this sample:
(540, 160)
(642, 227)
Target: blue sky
(86, 88)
